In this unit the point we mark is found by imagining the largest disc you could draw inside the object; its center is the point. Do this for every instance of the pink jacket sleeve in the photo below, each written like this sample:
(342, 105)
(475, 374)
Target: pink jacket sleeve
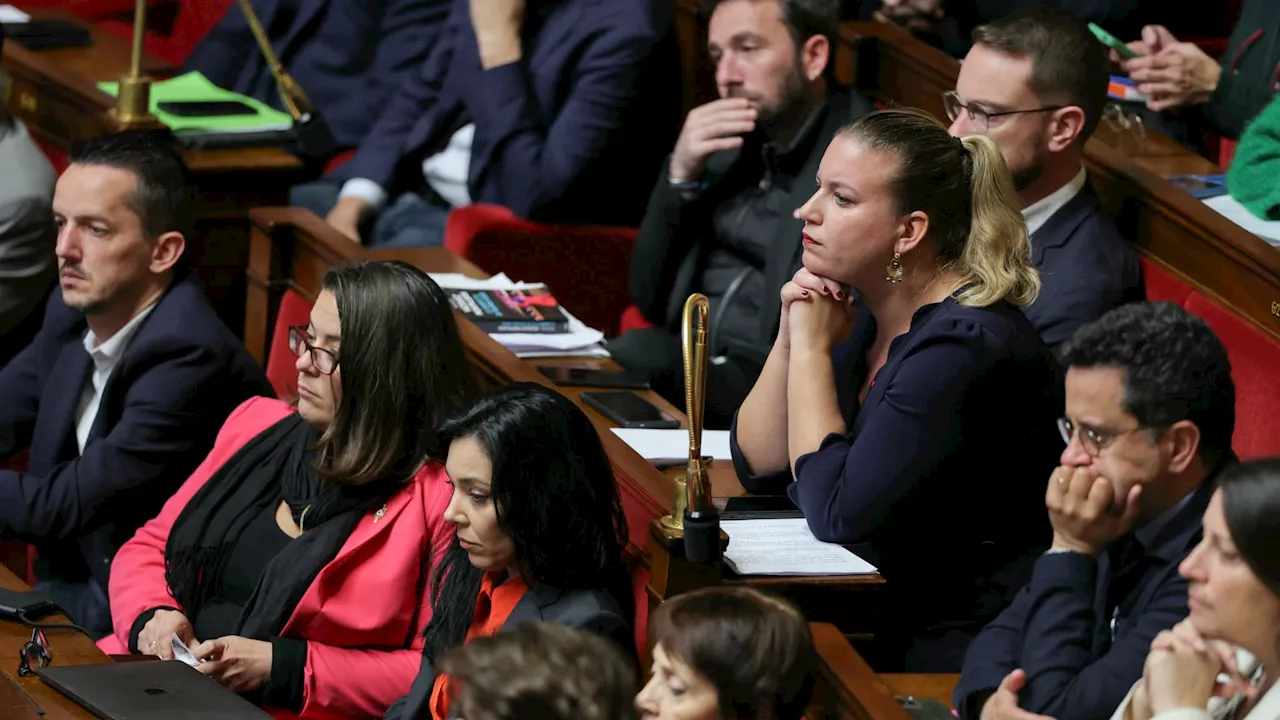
(137, 573)
(363, 682)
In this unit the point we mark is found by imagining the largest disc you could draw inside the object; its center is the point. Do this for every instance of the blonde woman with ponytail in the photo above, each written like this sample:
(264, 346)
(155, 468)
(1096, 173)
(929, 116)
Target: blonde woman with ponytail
(907, 403)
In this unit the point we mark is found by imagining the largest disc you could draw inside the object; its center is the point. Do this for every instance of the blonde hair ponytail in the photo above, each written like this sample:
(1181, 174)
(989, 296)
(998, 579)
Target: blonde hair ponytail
(996, 261)
(975, 219)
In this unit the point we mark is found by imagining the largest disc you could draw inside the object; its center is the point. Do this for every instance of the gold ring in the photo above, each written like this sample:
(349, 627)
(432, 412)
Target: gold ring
(1061, 480)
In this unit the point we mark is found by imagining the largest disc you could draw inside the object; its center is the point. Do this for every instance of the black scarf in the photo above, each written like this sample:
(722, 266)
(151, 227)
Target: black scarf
(277, 464)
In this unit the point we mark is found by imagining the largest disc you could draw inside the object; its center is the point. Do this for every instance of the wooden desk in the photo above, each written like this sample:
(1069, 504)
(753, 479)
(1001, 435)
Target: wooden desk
(69, 648)
(55, 94)
(1210, 253)
(291, 248)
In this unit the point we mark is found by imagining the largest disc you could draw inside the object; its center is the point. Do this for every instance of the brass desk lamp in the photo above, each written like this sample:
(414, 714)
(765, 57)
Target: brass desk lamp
(133, 101)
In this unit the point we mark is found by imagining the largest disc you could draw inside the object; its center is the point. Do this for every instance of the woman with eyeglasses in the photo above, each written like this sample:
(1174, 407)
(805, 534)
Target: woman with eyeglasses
(293, 562)
(540, 534)
(1221, 663)
(907, 400)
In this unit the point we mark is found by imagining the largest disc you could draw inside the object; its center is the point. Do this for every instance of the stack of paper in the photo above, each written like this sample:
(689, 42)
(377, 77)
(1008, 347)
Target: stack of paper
(786, 547)
(194, 87)
(580, 341)
(669, 444)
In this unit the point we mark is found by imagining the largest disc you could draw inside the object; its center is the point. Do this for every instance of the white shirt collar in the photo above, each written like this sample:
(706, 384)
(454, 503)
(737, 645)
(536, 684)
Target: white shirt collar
(108, 352)
(1039, 212)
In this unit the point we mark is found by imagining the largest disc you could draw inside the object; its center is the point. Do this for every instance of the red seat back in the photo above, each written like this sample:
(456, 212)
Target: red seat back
(587, 267)
(1254, 357)
(281, 370)
(1160, 284)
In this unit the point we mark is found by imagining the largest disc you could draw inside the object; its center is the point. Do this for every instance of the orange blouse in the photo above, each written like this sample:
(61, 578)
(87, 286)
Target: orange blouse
(493, 606)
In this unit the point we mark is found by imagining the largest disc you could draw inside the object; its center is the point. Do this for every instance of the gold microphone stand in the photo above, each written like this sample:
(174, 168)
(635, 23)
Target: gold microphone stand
(292, 96)
(694, 516)
(133, 101)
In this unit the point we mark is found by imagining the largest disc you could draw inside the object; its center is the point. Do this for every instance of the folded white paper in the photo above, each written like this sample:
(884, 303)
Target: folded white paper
(11, 14)
(664, 444)
(786, 547)
(181, 652)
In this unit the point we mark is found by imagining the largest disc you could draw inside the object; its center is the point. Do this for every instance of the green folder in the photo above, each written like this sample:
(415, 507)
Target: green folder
(194, 87)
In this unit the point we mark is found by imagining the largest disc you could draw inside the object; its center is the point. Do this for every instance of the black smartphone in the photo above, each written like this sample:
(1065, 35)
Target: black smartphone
(922, 709)
(755, 507)
(213, 108)
(628, 409)
(587, 377)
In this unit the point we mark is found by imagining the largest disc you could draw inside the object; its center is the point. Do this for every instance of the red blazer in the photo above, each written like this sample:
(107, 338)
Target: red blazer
(358, 611)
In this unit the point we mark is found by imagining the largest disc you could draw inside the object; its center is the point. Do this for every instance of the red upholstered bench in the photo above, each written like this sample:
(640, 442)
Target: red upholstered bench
(1254, 356)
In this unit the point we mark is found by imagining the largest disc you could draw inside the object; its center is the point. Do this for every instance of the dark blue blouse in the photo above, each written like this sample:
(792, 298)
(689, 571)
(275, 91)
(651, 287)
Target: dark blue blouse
(941, 475)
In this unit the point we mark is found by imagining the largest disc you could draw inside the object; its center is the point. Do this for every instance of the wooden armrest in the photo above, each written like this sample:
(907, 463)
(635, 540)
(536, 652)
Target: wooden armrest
(846, 686)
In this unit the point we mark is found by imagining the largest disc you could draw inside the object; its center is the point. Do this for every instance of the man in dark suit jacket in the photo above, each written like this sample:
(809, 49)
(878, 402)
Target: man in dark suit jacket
(1035, 82)
(721, 219)
(349, 56)
(556, 109)
(1150, 410)
(123, 390)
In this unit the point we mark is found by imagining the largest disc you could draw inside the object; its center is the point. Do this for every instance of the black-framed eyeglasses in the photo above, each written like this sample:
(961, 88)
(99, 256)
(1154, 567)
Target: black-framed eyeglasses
(324, 359)
(979, 118)
(1091, 440)
(35, 654)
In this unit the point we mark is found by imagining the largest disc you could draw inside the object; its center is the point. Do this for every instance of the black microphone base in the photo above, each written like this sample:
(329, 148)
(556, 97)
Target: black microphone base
(702, 536)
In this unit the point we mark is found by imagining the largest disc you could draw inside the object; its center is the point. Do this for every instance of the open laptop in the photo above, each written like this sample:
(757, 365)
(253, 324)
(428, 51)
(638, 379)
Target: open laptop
(159, 690)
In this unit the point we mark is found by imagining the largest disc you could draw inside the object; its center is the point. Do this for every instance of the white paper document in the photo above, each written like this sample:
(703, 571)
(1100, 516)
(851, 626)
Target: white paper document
(786, 547)
(181, 652)
(11, 14)
(665, 444)
(580, 341)
(1231, 209)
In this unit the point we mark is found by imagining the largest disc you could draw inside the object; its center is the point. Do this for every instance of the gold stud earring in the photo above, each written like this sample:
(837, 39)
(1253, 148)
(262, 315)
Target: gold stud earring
(893, 273)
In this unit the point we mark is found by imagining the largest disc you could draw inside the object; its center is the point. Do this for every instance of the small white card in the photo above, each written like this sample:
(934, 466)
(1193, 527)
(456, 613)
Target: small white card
(181, 652)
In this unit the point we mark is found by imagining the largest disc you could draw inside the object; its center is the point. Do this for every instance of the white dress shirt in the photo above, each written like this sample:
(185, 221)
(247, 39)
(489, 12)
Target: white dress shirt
(446, 172)
(1039, 212)
(105, 355)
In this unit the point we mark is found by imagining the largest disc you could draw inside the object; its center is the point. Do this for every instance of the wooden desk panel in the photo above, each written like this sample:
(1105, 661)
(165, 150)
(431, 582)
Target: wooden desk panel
(56, 96)
(69, 648)
(1210, 253)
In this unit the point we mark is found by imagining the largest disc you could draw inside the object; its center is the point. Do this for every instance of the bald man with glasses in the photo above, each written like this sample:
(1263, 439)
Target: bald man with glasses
(1150, 411)
(1035, 82)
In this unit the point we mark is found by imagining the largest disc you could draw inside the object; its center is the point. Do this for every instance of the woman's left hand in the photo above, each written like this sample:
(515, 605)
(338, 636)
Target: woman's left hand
(238, 663)
(821, 321)
(1178, 675)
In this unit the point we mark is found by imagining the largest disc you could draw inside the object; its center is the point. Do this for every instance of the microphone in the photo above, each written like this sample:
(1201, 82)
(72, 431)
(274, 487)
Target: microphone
(311, 134)
(701, 520)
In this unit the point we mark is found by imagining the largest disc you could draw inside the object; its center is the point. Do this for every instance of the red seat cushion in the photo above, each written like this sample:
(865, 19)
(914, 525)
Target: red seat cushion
(632, 320)
(281, 362)
(1160, 284)
(1254, 357)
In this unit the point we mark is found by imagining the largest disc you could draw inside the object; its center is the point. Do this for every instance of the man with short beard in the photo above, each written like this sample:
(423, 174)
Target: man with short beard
(721, 219)
(125, 387)
(1035, 82)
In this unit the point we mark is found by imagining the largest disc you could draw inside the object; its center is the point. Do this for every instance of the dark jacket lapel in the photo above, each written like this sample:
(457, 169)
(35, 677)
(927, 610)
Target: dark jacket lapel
(1060, 226)
(54, 439)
